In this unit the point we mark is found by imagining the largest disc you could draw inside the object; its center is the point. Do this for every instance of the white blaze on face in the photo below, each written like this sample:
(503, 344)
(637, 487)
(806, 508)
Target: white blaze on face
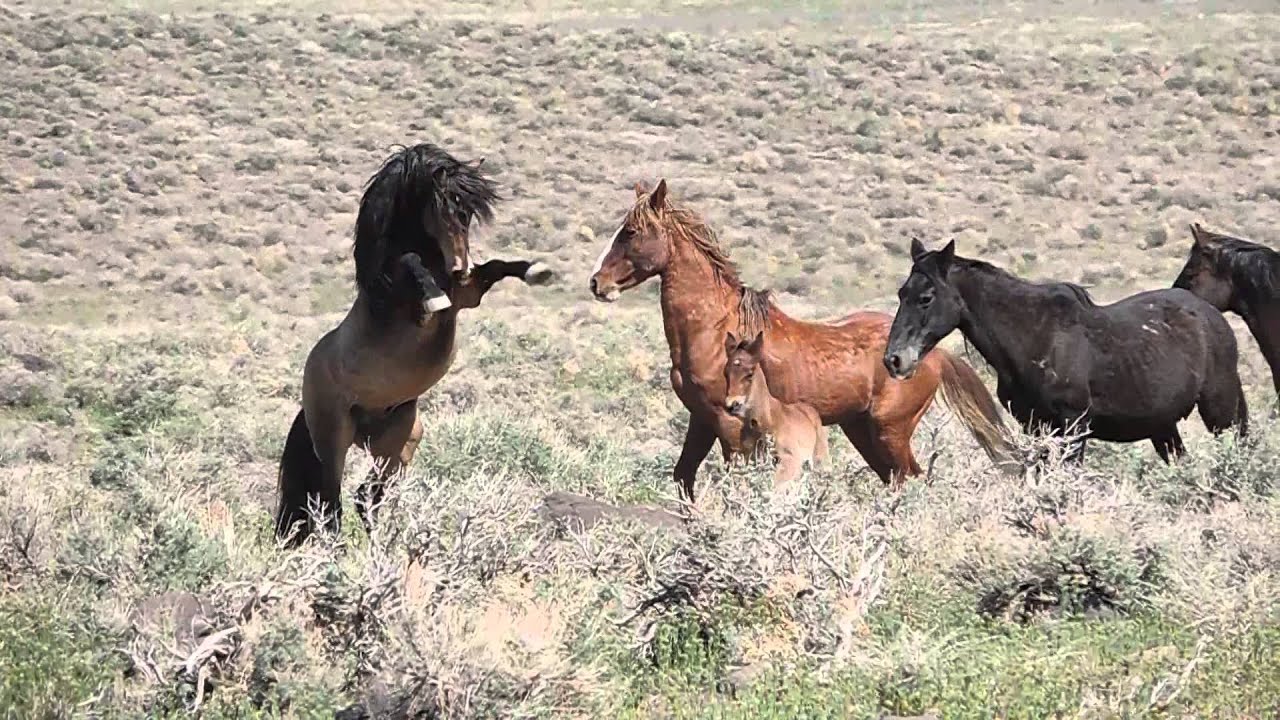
(607, 247)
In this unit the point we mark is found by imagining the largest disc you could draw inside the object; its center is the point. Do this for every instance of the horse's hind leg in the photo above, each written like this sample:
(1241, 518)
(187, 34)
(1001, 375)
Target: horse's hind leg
(332, 433)
(858, 431)
(1223, 406)
(1169, 445)
(392, 444)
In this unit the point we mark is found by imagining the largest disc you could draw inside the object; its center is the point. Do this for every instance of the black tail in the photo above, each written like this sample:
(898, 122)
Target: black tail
(299, 477)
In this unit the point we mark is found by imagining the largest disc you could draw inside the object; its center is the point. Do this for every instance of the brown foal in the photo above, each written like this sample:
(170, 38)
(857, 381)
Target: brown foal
(835, 367)
(796, 428)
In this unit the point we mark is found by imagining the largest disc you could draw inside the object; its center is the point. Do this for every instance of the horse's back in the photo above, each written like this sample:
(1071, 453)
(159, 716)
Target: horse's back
(1152, 355)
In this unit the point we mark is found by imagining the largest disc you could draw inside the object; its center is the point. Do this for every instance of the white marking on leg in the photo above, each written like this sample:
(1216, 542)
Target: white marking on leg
(608, 246)
(436, 304)
(537, 274)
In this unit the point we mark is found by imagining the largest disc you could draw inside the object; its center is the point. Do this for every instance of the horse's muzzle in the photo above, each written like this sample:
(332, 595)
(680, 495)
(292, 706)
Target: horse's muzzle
(603, 292)
(901, 365)
(735, 406)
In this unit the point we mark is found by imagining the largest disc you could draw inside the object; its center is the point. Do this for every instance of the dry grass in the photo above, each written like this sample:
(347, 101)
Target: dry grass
(179, 192)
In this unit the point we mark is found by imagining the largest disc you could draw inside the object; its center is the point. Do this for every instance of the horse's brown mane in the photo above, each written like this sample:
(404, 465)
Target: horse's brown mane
(684, 225)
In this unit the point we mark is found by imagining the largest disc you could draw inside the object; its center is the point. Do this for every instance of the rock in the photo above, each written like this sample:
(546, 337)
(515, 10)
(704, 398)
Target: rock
(586, 233)
(1157, 237)
(179, 615)
(8, 308)
(33, 363)
(583, 513)
(740, 678)
(310, 47)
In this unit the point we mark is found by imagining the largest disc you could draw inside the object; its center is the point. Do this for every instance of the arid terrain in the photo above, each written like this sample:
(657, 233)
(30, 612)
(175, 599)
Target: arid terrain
(178, 186)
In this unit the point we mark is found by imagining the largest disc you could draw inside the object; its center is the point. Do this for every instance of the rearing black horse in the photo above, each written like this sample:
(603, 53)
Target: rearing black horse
(1125, 372)
(363, 378)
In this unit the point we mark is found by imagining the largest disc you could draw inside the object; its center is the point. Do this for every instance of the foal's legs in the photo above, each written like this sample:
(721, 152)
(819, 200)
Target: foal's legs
(821, 448)
(1169, 444)
(392, 444)
(698, 440)
(485, 275)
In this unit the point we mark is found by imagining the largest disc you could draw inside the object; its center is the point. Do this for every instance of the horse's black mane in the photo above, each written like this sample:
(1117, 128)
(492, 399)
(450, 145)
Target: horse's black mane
(1254, 268)
(1080, 294)
(412, 182)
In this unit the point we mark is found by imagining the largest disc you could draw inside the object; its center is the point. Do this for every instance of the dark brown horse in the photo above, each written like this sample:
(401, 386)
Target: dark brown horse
(1123, 372)
(833, 366)
(363, 378)
(1240, 276)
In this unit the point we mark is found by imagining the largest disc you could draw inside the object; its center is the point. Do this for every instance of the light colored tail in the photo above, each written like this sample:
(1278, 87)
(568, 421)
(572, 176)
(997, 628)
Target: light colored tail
(967, 397)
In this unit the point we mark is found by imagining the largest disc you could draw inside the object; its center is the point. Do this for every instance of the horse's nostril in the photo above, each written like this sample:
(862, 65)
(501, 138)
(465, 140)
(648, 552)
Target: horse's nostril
(593, 284)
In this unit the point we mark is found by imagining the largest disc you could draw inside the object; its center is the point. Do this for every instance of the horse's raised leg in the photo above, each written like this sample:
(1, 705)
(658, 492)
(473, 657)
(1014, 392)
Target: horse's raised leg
(419, 285)
(1169, 444)
(392, 444)
(698, 440)
(485, 275)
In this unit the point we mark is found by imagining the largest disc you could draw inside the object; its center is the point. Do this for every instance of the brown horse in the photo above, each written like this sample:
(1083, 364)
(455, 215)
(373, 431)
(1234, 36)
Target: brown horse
(363, 378)
(1240, 276)
(833, 366)
(796, 428)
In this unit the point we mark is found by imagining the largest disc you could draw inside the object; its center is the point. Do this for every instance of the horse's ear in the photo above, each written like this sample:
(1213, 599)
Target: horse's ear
(946, 255)
(917, 249)
(730, 343)
(756, 344)
(640, 189)
(1200, 236)
(658, 198)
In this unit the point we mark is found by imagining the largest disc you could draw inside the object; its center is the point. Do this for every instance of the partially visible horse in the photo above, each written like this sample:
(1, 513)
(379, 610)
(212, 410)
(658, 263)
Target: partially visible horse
(797, 431)
(1126, 372)
(833, 366)
(1241, 276)
(363, 378)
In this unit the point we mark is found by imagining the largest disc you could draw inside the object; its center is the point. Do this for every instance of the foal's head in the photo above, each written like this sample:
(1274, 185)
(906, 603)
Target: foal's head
(742, 374)
(1228, 272)
(929, 308)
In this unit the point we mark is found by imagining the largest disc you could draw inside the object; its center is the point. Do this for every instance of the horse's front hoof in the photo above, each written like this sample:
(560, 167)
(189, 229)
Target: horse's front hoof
(438, 303)
(539, 274)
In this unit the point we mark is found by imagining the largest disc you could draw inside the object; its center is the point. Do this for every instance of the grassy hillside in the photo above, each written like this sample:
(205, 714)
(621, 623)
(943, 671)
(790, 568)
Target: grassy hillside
(178, 188)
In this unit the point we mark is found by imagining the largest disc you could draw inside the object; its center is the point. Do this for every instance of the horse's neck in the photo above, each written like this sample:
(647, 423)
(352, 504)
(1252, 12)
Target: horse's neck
(761, 404)
(995, 321)
(1263, 320)
(698, 306)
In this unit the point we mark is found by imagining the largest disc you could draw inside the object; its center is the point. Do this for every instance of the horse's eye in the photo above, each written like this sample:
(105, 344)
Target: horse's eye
(926, 299)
